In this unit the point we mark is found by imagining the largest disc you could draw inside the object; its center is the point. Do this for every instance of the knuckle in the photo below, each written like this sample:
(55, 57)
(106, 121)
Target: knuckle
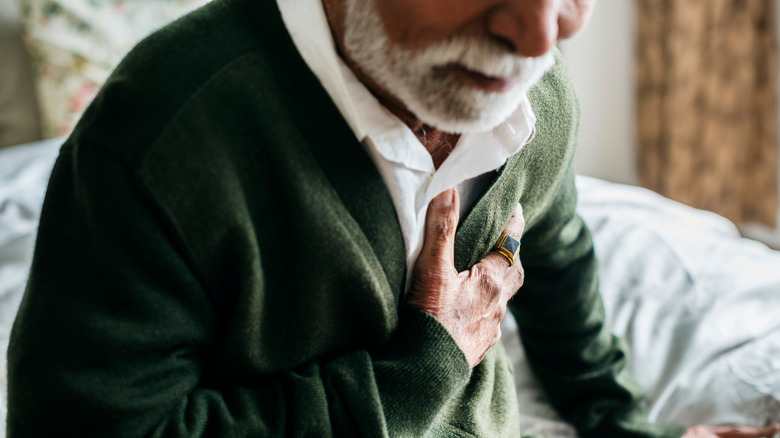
(493, 279)
(444, 227)
(490, 286)
(478, 271)
(496, 264)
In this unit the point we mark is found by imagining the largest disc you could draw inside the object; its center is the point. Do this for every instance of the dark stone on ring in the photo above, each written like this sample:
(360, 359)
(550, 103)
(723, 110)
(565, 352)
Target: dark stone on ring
(508, 247)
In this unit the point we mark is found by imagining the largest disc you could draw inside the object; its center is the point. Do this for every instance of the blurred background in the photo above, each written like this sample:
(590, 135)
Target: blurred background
(679, 96)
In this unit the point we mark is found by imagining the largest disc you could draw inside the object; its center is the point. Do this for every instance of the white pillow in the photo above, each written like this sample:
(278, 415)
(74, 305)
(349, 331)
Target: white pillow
(75, 44)
(18, 110)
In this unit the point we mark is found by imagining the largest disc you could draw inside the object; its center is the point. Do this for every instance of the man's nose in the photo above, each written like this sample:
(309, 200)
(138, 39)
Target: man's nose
(529, 27)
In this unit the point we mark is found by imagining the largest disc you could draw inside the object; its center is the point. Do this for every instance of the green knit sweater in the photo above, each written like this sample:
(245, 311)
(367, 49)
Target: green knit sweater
(218, 256)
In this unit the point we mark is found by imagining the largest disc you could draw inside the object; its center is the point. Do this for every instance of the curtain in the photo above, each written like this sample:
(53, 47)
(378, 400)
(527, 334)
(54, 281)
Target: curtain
(707, 114)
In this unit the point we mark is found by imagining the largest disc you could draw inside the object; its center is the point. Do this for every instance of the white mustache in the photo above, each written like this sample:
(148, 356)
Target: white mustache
(482, 55)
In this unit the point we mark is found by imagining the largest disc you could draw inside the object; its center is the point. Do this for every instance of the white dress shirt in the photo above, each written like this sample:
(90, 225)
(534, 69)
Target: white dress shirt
(405, 165)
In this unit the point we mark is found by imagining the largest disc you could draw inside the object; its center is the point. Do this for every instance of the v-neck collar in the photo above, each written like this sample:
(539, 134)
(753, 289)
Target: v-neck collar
(353, 175)
(347, 166)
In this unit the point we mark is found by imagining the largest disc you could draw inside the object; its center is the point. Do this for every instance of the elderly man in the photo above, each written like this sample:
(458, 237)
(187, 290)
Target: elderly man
(301, 219)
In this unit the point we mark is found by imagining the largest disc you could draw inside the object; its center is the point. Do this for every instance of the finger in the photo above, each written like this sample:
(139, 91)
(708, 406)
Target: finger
(441, 222)
(496, 264)
(744, 431)
(515, 228)
(516, 225)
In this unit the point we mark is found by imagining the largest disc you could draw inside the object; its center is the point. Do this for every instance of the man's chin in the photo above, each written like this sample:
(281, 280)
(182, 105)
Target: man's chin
(465, 126)
(457, 99)
(469, 116)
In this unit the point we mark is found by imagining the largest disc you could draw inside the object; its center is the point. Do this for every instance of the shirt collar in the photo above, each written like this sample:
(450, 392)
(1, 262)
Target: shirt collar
(475, 153)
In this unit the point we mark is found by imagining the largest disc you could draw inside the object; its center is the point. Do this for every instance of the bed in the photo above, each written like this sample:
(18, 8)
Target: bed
(698, 305)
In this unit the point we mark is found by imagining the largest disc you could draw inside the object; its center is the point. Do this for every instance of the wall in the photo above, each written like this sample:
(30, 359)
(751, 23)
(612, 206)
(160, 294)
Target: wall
(601, 61)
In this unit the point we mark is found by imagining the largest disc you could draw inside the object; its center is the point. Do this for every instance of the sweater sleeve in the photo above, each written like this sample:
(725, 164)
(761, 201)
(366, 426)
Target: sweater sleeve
(113, 333)
(561, 319)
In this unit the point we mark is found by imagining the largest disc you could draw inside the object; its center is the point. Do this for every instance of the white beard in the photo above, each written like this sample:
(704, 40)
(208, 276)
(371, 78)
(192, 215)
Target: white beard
(428, 89)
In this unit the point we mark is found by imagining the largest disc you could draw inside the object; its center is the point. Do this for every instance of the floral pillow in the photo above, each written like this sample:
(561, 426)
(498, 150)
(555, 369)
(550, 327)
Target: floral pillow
(75, 44)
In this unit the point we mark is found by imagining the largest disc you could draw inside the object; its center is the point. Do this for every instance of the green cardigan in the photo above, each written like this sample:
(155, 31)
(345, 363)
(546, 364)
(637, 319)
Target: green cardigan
(218, 256)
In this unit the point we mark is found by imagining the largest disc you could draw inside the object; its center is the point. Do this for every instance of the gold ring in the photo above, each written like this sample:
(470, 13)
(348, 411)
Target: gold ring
(508, 247)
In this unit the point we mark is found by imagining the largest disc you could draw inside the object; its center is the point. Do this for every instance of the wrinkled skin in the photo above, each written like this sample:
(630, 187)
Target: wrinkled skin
(470, 304)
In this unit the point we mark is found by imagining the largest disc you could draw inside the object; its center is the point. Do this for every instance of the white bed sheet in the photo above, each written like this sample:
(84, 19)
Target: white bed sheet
(698, 305)
(24, 171)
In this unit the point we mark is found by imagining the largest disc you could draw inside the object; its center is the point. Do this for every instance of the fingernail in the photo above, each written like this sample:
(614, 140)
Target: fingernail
(443, 199)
